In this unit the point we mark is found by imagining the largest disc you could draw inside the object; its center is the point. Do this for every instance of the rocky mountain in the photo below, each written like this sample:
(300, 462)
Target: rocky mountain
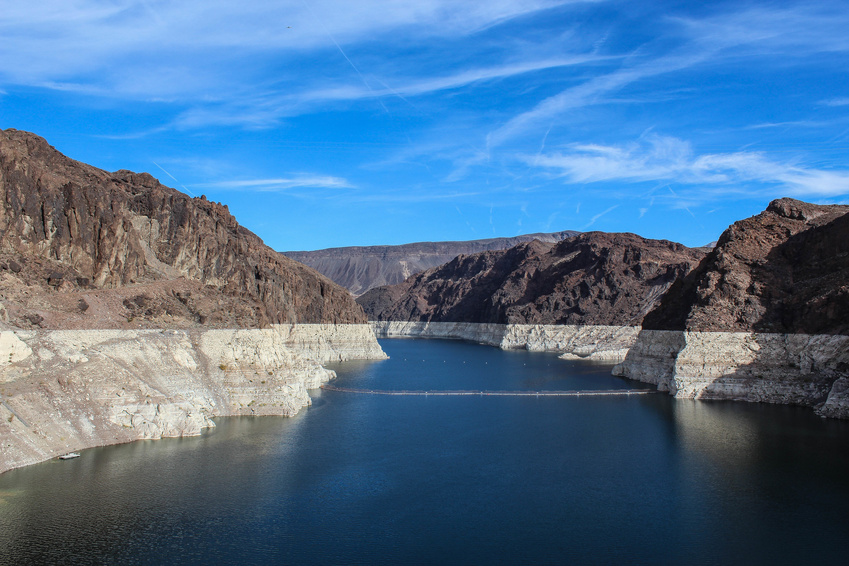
(594, 278)
(764, 318)
(362, 268)
(84, 248)
(785, 270)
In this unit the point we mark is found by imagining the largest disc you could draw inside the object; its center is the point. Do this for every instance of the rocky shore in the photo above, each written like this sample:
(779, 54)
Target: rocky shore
(764, 318)
(598, 342)
(66, 390)
(790, 369)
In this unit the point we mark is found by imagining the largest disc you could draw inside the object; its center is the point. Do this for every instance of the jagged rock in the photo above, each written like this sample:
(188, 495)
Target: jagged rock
(765, 317)
(591, 279)
(62, 222)
(361, 268)
(785, 270)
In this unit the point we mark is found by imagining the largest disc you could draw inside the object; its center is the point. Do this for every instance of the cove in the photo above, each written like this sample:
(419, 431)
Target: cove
(453, 479)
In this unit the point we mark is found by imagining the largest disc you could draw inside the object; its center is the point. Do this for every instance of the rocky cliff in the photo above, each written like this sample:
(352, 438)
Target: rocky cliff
(590, 279)
(120, 306)
(69, 230)
(765, 317)
(785, 270)
(65, 390)
(360, 268)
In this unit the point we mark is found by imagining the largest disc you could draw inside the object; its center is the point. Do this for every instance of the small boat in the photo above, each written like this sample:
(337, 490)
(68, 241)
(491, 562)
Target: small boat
(69, 456)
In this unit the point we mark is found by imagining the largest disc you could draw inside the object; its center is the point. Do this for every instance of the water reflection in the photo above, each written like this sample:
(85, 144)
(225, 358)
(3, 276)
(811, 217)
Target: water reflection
(365, 479)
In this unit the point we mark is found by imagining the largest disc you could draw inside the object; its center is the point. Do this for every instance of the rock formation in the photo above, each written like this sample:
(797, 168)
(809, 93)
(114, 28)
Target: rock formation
(68, 229)
(360, 268)
(129, 310)
(785, 270)
(65, 390)
(765, 317)
(590, 279)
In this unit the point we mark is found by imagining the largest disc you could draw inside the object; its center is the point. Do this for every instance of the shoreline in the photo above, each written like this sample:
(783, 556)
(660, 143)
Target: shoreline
(789, 369)
(588, 342)
(67, 390)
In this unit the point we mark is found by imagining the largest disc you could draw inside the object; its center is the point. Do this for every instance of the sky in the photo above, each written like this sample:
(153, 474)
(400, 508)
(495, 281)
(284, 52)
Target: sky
(325, 123)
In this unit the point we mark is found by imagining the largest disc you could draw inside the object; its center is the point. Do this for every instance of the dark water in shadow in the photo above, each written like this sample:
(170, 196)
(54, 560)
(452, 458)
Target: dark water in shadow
(360, 479)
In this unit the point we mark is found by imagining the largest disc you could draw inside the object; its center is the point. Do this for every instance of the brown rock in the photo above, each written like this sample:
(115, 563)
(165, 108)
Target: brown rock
(593, 278)
(361, 268)
(785, 270)
(123, 229)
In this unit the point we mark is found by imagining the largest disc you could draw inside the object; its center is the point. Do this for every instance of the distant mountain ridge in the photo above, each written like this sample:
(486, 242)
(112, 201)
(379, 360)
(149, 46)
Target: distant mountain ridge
(360, 268)
(595, 278)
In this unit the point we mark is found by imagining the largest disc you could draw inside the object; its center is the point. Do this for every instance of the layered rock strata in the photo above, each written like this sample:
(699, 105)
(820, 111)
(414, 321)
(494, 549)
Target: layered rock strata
(63, 391)
(590, 342)
(765, 317)
(360, 268)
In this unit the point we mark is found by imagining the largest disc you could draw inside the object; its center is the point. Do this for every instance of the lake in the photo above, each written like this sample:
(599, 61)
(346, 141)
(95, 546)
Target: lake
(365, 479)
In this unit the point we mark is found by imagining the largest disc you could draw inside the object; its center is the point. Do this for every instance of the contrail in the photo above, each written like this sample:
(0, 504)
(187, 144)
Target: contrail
(175, 179)
(342, 51)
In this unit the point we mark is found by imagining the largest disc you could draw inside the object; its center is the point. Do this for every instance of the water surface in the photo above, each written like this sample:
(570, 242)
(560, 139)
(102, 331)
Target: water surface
(422, 480)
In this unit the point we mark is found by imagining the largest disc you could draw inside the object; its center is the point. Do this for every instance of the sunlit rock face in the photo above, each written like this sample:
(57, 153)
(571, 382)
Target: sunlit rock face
(589, 342)
(765, 317)
(85, 248)
(591, 279)
(66, 390)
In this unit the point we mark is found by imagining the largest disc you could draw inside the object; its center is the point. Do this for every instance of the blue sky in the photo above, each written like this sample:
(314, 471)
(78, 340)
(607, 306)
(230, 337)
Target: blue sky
(329, 123)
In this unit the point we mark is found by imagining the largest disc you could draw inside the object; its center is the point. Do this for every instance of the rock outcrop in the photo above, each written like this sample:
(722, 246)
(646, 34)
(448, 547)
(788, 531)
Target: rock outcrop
(765, 317)
(68, 229)
(129, 310)
(590, 279)
(65, 390)
(360, 268)
(785, 270)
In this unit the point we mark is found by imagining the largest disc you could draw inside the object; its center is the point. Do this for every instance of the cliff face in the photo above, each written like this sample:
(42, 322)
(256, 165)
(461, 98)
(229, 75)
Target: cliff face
(360, 268)
(764, 318)
(66, 390)
(785, 270)
(591, 279)
(68, 229)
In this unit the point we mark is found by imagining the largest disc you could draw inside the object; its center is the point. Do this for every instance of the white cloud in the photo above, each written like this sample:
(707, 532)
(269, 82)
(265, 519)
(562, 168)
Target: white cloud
(664, 158)
(779, 35)
(60, 38)
(280, 184)
(844, 101)
(599, 215)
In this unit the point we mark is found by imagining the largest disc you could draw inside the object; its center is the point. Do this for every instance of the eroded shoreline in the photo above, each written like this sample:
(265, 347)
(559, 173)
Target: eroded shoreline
(791, 369)
(67, 390)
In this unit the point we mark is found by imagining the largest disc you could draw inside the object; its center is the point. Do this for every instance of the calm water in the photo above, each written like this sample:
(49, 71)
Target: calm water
(360, 479)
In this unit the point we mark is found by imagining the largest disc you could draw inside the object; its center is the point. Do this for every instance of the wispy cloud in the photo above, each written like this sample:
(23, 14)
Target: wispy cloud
(843, 101)
(599, 215)
(54, 41)
(268, 108)
(666, 158)
(280, 184)
(753, 33)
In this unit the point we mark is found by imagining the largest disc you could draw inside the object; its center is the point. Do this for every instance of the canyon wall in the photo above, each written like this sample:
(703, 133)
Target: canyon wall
(66, 390)
(592, 279)
(765, 317)
(68, 229)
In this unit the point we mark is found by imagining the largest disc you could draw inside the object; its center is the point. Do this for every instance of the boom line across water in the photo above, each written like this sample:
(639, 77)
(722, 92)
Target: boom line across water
(469, 392)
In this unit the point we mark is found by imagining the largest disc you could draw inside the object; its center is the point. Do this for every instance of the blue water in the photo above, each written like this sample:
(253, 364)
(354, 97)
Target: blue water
(362, 479)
